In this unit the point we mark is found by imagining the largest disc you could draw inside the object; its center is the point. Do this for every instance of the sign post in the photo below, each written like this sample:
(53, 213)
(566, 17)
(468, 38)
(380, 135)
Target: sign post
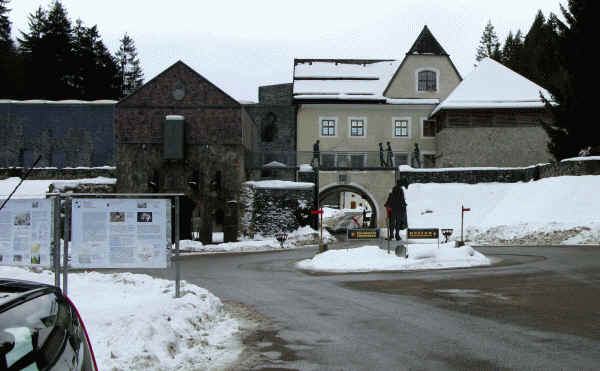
(389, 237)
(462, 218)
(319, 212)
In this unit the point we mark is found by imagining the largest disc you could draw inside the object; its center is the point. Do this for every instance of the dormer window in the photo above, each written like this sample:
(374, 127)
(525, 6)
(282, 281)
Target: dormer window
(427, 80)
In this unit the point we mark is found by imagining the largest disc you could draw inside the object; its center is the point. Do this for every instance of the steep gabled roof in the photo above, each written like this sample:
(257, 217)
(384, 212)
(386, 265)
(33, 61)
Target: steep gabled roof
(175, 66)
(492, 85)
(426, 44)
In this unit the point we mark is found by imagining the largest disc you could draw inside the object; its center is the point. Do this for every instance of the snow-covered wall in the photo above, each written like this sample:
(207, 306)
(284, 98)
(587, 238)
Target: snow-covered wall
(269, 207)
(473, 175)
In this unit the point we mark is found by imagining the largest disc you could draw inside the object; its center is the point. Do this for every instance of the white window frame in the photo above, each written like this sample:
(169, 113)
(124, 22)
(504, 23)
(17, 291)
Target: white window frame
(437, 79)
(402, 118)
(364, 120)
(422, 131)
(320, 126)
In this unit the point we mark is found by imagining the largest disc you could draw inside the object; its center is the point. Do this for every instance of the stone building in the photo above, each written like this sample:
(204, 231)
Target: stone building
(67, 133)
(181, 133)
(369, 115)
(275, 118)
(493, 118)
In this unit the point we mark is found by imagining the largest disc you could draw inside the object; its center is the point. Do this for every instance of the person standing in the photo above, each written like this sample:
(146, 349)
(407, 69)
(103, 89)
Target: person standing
(381, 157)
(390, 156)
(316, 155)
(416, 158)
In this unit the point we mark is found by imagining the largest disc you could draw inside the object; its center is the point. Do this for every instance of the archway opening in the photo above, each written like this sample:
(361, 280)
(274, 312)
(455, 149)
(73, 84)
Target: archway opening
(360, 207)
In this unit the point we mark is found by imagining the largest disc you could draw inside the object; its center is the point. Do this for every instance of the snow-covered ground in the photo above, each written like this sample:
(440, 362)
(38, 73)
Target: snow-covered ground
(373, 258)
(134, 321)
(304, 236)
(559, 210)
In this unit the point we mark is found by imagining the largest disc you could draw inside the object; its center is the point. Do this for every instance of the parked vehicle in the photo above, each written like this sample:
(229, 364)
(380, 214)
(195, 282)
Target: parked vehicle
(40, 329)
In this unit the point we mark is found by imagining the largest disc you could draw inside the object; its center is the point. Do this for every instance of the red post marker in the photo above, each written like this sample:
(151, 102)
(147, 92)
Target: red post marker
(462, 219)
(316, 212)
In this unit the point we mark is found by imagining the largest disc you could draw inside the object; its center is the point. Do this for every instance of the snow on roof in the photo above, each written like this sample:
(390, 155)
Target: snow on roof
(492, 85)
(342, 79)
(279, 184)
(175, 117)
(275, 164)
(66, 101)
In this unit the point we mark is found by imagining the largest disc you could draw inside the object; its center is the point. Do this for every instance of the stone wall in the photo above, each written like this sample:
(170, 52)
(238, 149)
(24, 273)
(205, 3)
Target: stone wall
(267, 211)
(217, 137)
(59, 174)
(468, 138)
(70, 134)
(508, 175)
(275, 118)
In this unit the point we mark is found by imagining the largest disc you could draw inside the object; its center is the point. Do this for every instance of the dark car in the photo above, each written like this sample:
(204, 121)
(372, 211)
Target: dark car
(40, 329)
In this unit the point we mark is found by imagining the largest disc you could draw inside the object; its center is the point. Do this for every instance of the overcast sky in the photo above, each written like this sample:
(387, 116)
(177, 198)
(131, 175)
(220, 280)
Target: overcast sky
(240, 45)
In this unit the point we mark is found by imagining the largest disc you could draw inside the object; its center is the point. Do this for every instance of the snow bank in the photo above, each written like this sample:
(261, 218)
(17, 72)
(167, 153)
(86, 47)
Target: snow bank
(191, 332)
(548, 211)
(373, 258)
(39, 188)
(303, 236)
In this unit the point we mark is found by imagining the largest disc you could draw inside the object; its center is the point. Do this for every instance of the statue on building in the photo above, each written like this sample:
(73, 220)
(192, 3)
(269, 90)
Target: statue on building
(381, 157)
(396, 204)
(390, 156)
(316, 155)
(416, 157)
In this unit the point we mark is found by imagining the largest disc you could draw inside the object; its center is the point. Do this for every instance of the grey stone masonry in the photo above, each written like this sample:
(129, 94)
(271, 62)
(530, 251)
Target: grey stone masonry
(275, 117)
(508, 175)
(64, 133)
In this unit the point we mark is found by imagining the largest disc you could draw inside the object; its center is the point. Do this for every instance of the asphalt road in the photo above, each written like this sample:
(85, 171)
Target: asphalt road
(538, 309)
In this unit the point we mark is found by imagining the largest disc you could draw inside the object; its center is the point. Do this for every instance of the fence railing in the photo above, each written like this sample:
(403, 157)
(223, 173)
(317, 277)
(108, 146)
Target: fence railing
(328, 159)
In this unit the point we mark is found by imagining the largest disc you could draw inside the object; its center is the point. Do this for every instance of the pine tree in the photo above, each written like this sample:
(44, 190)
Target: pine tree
(132, 76)
(489, 46)
(48, 53)
(6, 43)
(539, 59)
(9, 61)
(95, 69)
(512, 51)
(573, 127)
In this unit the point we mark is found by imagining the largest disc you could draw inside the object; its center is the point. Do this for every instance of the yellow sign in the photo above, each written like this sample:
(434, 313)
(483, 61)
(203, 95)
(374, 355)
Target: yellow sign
(423, 233)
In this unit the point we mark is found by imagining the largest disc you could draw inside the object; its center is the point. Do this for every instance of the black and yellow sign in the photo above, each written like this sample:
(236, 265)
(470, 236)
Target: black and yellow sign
(417, 233)
(363, 234)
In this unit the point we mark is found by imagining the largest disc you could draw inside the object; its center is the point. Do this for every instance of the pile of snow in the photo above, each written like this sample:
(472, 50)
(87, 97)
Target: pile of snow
(548, 211)
(302, 237)
(189, 333)
(373, 258)
(39, 188)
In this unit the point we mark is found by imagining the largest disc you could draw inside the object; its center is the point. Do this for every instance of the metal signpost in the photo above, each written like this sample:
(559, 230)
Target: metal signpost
(462, 218)
(319, 212)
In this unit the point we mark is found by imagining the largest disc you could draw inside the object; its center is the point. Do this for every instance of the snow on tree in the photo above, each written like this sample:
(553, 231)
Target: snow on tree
(489, 46)
(132, 76)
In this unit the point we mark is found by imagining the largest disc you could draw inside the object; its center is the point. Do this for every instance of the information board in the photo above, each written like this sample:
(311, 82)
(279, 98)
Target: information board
(363, 234)
(425, 233)
(120, 233)
(26, 232)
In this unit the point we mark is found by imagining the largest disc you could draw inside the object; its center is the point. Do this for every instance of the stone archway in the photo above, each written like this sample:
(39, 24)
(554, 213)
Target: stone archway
(332, 189)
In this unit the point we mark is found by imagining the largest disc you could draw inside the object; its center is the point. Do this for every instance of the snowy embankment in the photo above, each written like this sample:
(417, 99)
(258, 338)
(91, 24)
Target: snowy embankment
(304, 236)
(373, 258)
(559, 210)
(134, 321)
